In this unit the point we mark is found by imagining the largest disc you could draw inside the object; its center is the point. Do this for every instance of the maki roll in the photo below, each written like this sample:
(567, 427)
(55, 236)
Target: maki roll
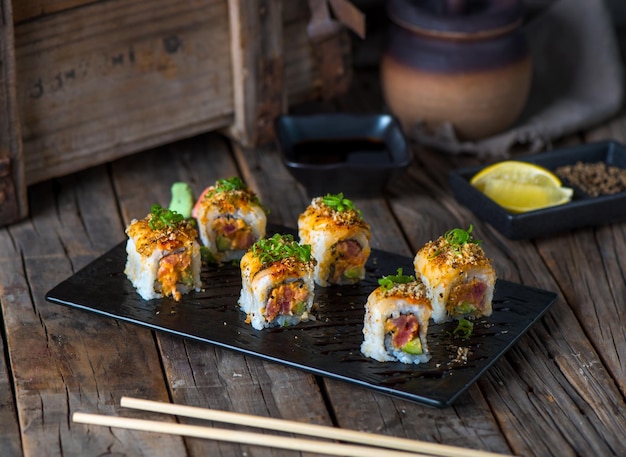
(163, 256)
(396, 321)
(459, 276)
(230, 219)
(277, 287)
(339, 239)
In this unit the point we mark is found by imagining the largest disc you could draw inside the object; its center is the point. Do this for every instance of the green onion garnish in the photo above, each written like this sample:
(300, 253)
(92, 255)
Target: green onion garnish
(464, 329)
(459, 237)
(161, 217)
(387, 282)
(280, 247)
(339, 203)
(228, 184)
(456, 238)
(233, 184)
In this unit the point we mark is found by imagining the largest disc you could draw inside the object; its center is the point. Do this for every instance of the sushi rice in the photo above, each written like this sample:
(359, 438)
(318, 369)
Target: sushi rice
(339, 239)
(401, 301)
(162, 261)
(277, 286)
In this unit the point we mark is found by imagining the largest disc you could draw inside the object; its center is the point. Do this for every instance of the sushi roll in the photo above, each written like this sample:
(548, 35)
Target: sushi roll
(277, 287)
(396, 321)
(230, 219)
(458, 274)
(339, 239)
(163, 256)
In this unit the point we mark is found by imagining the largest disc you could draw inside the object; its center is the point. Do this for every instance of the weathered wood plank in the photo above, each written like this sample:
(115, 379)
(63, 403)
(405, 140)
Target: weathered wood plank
(259, 89)
(10, 440)
(109, 78)
(29, 9)
(587, 268)
(606, 291)
(64, 360)
(216, 378)
(146, 178)
(13, 204)
(553, 401)
(468, 423)
(101, 80)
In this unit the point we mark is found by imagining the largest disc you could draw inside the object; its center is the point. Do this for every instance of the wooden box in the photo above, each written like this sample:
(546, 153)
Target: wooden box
(83, 82)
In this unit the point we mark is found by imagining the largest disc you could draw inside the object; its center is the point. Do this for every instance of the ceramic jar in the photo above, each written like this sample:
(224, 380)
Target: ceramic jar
(461, 62)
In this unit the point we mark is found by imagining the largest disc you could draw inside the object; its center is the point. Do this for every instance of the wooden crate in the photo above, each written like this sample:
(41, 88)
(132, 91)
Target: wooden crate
(83, 82)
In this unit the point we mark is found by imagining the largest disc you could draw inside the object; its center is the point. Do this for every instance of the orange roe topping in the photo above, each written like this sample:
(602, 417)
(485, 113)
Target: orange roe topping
(168, 238)
(345, 217)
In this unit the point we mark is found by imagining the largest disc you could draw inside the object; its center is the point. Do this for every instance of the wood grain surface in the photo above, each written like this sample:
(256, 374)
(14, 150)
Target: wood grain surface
(13, 205)
(560, 391)
(85, 82)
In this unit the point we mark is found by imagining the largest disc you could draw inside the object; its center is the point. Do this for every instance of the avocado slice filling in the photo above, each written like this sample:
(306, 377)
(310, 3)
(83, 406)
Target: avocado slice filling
(413, 347)
(465, 308)
(352, 273)
(223, 243)
(299, 308)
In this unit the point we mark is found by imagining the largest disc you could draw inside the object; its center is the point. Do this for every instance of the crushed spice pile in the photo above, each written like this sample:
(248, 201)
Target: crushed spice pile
(594, 179)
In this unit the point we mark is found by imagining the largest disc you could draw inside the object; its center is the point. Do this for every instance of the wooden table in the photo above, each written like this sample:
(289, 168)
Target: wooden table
(559, 391)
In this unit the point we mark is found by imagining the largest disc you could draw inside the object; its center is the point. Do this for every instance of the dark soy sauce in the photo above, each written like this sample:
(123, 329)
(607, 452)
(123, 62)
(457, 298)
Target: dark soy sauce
(335, 151)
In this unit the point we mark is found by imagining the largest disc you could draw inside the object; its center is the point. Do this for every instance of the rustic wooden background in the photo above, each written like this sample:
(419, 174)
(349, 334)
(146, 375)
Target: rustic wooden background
(559, 392)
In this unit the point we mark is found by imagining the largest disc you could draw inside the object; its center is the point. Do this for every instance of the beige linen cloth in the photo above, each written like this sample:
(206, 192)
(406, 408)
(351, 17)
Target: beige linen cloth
(577, 80)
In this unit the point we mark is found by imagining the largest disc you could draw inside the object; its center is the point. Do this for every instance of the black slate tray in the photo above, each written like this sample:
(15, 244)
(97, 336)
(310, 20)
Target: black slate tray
(582, 211)
(328, 346)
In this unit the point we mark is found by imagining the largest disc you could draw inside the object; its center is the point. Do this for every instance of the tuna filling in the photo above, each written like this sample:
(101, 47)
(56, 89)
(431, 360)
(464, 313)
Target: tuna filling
(232, 234)
(174, 269)
(467, 297)
(403, 333)
(286, 299)
(349, 260)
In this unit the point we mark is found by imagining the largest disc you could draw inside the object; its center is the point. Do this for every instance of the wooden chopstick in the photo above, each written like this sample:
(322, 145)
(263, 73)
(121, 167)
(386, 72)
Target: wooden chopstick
(321, 431)
(236, 436)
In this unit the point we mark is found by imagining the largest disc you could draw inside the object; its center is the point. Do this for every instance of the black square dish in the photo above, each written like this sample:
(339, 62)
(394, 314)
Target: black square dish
(356, 154)
(583, 210)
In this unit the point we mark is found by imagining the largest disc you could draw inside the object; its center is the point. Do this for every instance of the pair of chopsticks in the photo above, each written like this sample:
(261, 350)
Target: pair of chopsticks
(369, 444)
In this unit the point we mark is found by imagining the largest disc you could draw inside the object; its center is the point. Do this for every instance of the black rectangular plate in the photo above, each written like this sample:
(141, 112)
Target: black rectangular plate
(582, 211)
(327, 346)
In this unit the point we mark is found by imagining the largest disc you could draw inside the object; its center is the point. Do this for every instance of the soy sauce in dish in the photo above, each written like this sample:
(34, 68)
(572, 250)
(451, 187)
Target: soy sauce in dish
(335, 151)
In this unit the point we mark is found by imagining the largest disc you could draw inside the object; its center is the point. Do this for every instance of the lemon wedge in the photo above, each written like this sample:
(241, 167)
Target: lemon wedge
(521, 186)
